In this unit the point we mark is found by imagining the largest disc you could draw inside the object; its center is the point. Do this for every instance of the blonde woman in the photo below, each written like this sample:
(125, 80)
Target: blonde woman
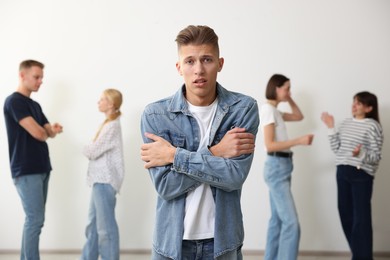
(105, 176)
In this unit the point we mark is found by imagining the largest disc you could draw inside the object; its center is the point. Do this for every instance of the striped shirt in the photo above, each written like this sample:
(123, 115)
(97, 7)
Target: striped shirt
(352, 132)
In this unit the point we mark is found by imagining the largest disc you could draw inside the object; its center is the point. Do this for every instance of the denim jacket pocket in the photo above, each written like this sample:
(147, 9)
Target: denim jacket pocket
(176, 139)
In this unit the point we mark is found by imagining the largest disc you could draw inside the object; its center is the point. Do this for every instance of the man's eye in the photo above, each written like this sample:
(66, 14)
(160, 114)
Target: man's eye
(208, 60)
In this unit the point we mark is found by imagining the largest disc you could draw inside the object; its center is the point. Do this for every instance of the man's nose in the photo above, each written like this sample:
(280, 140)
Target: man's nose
(199, 68)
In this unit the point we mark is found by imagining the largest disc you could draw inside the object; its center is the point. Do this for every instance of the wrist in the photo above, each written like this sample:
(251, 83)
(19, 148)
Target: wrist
(172, 154)
(214, 150)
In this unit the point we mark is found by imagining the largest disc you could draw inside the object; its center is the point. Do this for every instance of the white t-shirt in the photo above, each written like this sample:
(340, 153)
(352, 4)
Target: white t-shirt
(270, 115)
(200, 206)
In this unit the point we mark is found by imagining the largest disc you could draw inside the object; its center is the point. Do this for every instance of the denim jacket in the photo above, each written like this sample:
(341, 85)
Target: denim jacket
(170, 119)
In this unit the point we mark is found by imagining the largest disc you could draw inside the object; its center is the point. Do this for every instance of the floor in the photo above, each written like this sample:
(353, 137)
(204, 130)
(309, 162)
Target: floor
(147, 257)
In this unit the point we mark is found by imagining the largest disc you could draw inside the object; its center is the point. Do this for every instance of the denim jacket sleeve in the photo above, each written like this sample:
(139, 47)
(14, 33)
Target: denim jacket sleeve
(168, 183)
(192, 167)
(225, 174)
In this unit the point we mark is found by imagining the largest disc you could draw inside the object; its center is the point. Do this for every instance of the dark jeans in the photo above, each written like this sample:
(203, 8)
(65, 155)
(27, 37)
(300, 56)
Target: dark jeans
(354, 204)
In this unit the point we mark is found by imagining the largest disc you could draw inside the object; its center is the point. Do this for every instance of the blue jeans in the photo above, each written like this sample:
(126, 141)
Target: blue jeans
(32, 190)
(201, 250)
(354, 203)
(102, 230)
(283, 227)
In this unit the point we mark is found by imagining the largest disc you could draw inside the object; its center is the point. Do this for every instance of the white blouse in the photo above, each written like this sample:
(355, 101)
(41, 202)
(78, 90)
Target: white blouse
(105, 154)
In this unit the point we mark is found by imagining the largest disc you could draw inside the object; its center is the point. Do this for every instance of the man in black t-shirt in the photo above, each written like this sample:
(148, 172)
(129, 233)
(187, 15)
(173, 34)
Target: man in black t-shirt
(27, 130)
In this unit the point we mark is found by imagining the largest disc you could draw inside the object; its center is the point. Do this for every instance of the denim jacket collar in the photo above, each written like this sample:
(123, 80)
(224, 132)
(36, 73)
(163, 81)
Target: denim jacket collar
(179, 102)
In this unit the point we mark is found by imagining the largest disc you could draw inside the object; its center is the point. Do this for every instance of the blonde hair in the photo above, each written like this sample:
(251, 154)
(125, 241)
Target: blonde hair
(115, 97)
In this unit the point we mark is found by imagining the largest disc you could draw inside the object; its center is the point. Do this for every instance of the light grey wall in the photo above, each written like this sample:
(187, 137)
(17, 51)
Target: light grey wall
(329, 49)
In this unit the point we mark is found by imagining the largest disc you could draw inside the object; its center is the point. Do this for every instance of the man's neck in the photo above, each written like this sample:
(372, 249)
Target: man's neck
(22, 90)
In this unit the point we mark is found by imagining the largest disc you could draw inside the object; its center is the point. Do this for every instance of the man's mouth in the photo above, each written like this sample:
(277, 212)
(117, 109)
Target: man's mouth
(200, 81)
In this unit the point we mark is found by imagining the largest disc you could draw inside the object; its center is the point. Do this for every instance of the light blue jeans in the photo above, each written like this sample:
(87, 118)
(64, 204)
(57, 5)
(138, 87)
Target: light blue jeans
(102, 230)
(283, 227)
(201, 250)
(32, 190)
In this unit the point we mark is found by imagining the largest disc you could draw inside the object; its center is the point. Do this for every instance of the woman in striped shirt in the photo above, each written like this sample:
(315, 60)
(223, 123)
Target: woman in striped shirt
(357, 145)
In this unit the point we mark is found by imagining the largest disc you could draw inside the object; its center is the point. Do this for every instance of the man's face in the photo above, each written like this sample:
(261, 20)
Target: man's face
(199, 66)
(31, 78)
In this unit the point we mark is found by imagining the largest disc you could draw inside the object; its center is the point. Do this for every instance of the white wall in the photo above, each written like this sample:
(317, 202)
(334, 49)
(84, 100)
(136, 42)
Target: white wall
(329, 49)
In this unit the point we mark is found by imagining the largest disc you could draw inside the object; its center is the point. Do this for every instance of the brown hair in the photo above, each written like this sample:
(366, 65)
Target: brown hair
(197, 35)
(27, 64)
(115, 97)
(276, 81)
(369, 100)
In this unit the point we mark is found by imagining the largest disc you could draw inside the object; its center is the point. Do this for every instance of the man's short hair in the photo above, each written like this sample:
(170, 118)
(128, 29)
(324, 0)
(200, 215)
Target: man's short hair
(26, 64)
(197, 35)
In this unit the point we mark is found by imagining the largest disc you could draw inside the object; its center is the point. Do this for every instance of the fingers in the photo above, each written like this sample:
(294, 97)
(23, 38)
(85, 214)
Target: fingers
(237, 130)
(57, 128)
(152, 136)
(148, 165)
(356, 151)
(311, 137)
(242, 135)
(306, 139)
(324, 116)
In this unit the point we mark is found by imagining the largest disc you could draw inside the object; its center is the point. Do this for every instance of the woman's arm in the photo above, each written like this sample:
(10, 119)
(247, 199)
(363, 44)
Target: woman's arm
(296, 114)
(274, 146)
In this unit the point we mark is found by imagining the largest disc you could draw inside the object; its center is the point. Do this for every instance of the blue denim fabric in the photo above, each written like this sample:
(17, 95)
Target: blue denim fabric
(198, 249)
(170, 119)
(102, 230)
(201, 250)
(283, 227)
(32, 190)
(354, 202)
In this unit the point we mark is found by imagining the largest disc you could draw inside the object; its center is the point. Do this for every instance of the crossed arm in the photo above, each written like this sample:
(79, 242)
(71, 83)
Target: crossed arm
(37, 131)
(236, 142)
(172, 180)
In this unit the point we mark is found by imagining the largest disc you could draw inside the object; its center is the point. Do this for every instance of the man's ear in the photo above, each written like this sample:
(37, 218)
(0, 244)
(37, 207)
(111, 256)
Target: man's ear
(21, 74)
(220, 63)
(178, 67)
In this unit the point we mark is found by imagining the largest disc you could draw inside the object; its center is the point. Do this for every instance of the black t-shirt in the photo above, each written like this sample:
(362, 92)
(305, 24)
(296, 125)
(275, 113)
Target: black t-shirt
(27, 154)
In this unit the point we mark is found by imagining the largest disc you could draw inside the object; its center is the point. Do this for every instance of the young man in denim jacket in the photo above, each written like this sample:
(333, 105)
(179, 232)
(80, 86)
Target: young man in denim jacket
(199, 146)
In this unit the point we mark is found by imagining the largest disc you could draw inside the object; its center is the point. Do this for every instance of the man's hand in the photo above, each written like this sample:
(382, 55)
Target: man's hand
(236, 142)
(158, 153)
(56, 128)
